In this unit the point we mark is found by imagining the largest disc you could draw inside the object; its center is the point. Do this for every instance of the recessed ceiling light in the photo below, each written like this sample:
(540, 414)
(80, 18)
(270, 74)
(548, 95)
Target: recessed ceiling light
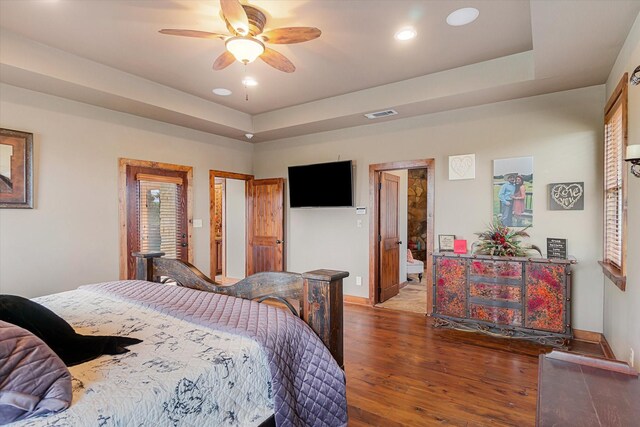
(221, 91)
(462, 16)
(249, 81)
(406, 33)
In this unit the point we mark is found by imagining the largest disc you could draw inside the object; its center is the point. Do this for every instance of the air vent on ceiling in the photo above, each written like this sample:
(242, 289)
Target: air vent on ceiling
(379, 114)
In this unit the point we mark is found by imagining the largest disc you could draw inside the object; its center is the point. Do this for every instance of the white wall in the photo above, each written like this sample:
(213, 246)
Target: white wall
(235, 228)
(622, 309)
(403, 206)
(71, 237)
(562, 131)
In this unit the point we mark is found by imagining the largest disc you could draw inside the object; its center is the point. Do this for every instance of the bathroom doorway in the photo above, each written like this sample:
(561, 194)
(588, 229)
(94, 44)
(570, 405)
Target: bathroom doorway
(402, 235)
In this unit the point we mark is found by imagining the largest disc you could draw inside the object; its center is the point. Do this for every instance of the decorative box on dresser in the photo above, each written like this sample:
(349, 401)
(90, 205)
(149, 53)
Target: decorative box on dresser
(524, 298)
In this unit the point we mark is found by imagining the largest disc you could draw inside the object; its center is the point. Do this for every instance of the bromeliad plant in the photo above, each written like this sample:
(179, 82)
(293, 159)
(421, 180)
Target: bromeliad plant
(499, 240)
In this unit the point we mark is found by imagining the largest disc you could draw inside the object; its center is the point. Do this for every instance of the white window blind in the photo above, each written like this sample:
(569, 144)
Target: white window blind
(613, 186)
(159, 217)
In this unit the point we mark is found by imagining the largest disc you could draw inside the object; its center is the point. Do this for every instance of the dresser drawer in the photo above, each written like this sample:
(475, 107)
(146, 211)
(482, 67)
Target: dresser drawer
(495, 292)
(495, 271)
(498, 315)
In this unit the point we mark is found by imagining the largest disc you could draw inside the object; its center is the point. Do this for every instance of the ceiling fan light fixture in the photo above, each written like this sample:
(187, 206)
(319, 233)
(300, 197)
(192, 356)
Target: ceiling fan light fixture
(245, 49)
(463, 16)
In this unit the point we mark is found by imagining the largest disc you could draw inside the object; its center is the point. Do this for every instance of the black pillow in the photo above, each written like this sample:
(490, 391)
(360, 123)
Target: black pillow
(71, 347)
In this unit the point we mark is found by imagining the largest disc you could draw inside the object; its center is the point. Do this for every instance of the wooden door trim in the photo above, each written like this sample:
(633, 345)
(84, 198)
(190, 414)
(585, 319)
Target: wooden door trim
(123, 163)
(374, 222)
(213, 256)
(223, 243)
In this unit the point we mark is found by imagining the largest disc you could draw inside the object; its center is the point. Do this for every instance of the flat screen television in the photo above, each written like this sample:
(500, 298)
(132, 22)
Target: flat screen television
(322, 185)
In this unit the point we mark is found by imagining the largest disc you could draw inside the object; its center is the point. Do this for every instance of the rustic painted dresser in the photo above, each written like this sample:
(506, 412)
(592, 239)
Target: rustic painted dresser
(524, 298)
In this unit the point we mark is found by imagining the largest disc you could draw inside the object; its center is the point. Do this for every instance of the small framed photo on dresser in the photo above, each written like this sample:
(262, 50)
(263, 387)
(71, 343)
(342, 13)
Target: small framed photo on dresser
(445, 242)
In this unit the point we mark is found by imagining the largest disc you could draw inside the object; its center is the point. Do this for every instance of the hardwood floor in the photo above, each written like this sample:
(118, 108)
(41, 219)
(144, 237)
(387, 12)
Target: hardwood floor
(401, 371)
(412, 297)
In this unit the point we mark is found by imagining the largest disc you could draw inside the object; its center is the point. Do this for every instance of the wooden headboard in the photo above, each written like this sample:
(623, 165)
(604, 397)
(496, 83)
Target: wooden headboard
(319, 292)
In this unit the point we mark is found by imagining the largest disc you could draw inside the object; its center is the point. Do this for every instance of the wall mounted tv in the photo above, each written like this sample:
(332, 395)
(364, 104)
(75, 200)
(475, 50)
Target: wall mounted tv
(322, 185)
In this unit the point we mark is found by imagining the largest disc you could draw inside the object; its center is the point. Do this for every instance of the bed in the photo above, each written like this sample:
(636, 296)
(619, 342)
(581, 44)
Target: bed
(218, 357)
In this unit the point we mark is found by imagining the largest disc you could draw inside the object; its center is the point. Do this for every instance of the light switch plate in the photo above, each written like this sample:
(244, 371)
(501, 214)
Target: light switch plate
(197, 223)
(358, 280)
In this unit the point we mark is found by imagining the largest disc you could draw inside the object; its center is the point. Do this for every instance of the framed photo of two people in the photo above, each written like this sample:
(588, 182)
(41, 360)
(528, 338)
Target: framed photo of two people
(513, 191)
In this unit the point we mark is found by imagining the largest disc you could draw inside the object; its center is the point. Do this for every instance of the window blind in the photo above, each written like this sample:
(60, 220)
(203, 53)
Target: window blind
(613, 185)
(159, 217)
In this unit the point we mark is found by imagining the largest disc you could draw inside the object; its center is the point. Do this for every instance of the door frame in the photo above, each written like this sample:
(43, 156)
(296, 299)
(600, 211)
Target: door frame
(374, 223)
(122, 204)
(213, 256)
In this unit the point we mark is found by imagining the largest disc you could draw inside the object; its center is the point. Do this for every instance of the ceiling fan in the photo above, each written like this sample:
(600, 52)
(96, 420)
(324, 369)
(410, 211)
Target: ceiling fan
(247, 41)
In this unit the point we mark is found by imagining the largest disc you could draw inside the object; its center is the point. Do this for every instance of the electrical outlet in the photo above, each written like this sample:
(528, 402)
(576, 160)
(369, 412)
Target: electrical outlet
(631, 356)
(358, 280)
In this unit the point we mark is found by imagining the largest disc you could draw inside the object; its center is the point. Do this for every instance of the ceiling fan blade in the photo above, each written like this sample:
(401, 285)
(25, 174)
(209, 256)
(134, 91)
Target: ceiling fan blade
(194, 33)
(289, 35)
(224, 60)
(277, 60)
(235, 14)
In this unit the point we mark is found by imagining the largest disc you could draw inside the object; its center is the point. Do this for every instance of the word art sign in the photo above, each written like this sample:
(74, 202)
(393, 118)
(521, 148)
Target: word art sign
(556, 248)
(566, 196)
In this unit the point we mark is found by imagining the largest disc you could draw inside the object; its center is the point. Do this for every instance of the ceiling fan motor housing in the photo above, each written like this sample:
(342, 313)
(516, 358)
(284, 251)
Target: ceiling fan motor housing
(257, 20)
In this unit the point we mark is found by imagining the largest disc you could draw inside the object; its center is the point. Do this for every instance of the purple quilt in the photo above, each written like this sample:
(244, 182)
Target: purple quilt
(309, 386)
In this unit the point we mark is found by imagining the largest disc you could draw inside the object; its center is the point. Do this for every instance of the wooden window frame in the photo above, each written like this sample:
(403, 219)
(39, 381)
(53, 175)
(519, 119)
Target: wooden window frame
(618, 99)
(122, 204)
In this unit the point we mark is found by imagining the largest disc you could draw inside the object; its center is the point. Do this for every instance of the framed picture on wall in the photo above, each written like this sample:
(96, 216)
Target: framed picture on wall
(16, 169)
(462, 167)
(445, 242)
(566, 196)
(513, 191)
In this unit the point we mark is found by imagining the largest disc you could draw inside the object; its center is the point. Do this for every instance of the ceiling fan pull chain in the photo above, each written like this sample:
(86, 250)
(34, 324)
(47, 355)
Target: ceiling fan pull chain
(244, 82)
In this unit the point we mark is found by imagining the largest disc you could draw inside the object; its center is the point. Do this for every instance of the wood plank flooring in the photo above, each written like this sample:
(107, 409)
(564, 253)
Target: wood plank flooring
(401, 371)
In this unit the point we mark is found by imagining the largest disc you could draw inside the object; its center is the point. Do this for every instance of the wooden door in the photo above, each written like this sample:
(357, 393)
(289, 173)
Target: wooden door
(157, 218)
(389, 237)
(265, 248)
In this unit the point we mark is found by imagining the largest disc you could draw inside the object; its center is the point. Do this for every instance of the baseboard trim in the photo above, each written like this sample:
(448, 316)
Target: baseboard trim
(351, 299)
(595, 337)
(587, 335)
(606, 349)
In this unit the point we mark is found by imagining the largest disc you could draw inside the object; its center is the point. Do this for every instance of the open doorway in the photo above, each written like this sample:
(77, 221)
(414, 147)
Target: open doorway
(247, 225)
(401, 241)
(229, 192)
(230, 221)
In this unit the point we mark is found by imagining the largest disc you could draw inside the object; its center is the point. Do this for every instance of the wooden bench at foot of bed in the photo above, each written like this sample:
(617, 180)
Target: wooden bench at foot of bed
(318, 292)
